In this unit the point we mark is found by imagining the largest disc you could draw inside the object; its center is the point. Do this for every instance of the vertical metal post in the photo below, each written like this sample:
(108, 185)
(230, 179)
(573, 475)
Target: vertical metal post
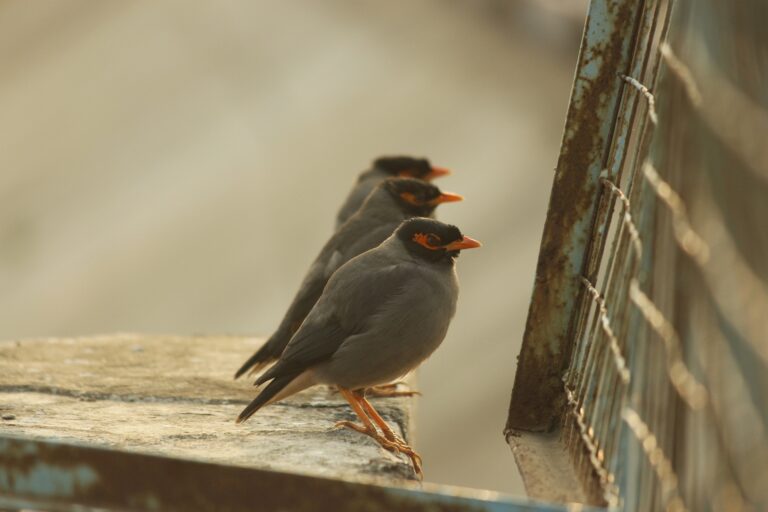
(606, 50)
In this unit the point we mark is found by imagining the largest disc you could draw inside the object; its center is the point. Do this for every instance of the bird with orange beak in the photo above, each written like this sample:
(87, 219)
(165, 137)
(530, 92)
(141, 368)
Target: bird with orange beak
(389, 203)
(380, 315)
(383, 168)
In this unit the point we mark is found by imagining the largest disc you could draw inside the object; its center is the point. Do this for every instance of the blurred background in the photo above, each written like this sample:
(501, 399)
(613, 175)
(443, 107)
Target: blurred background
(174, 167)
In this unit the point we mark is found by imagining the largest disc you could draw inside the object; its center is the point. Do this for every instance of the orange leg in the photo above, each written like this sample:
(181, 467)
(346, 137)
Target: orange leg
(389, 440)
(374, 415)
(389, 434)
(367, 428)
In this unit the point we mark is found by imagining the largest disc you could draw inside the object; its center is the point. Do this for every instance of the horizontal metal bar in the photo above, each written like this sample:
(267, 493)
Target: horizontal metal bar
(60, 476)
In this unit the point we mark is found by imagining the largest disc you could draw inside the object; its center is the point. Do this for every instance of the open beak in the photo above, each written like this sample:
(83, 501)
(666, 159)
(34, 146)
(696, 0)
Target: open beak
(437, 172)
(447, 197)
(464, 243)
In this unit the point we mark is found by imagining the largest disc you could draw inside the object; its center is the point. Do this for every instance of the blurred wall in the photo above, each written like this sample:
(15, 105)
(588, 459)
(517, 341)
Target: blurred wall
(175, 166)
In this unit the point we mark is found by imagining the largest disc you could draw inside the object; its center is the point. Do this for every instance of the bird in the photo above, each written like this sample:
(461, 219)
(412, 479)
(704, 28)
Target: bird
(392, 201)
(381, 315)
(381, 169)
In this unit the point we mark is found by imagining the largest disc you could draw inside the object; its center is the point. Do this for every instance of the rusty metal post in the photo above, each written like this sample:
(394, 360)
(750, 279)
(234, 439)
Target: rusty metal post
(606, 50)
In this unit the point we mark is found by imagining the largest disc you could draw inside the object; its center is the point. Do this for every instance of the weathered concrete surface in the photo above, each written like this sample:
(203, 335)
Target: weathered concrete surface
(545, 467)
(175, 396)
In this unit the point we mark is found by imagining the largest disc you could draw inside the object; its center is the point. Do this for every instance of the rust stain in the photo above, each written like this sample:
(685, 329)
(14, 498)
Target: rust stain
(537, 396)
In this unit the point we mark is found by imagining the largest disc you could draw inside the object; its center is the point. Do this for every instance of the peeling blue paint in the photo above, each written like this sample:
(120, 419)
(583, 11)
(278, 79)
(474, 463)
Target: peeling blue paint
(44, 480)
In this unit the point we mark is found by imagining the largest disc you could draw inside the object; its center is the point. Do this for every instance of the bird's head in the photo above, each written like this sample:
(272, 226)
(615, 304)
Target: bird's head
(417, 197)
(433, 240)
(409, 167)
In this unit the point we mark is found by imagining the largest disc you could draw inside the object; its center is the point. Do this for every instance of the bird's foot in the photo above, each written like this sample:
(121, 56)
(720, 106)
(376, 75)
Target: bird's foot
(389, 441)
(357, 428)
(390, 435)
(389, 391)
(399, 446)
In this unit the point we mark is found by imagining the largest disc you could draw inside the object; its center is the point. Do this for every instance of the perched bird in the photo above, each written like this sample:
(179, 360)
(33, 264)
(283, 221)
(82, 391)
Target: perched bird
(383, 168)
(381, 314)
(392, 201)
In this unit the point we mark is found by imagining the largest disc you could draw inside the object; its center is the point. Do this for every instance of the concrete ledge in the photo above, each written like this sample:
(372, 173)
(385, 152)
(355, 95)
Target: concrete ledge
(174, 396)
(545, 466)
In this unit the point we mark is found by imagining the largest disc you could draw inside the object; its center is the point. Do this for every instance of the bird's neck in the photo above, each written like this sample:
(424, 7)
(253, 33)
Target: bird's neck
(380, 203)
(373, 174)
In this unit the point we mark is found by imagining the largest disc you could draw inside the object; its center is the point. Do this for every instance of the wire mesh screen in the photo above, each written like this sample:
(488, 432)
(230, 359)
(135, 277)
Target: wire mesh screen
(665, 369)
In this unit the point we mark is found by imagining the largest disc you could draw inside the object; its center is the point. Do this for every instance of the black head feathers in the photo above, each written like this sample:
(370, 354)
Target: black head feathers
(431, 239)
(404, 166)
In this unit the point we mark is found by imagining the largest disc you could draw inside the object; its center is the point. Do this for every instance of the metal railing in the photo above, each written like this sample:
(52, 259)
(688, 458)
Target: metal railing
(651, 298)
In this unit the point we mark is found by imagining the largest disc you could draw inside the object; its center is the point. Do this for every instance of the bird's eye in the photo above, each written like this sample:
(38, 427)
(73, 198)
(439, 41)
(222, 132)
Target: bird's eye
(409, 197)
(430, 241)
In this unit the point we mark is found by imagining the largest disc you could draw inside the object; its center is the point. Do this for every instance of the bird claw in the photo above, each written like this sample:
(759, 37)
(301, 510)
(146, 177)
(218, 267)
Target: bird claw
(401, 447)
(389, 441)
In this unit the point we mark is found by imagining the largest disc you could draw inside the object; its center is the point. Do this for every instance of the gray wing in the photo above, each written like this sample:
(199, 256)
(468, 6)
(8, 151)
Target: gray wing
(353, 296)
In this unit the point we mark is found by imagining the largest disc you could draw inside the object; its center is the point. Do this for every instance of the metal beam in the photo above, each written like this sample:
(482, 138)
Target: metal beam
(50, 475)
(606, 50)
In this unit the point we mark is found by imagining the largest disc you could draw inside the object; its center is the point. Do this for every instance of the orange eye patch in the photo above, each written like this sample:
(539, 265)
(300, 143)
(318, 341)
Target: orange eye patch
(410, 198)
(430, 241)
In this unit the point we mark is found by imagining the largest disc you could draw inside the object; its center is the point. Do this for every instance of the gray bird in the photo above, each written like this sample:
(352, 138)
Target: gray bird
(381, 314)
(383, 168)
(392, 201)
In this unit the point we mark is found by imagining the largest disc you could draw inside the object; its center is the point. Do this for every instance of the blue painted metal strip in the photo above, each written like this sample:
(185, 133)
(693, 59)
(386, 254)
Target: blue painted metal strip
(44, 474)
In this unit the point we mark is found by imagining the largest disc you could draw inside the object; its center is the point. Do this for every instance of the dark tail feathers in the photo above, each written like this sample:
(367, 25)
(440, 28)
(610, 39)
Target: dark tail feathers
(270, 391)
(268, 353)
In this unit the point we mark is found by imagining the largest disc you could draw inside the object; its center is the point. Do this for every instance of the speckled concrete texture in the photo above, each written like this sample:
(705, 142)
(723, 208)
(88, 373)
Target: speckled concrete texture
(175, 396)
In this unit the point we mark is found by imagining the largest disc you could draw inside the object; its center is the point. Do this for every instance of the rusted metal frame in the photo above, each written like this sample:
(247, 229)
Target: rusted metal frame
(625, 463)
(630, 458)
(627, 271)
(632, 480)
(538, 394)
(614, 390)
(618, 156)
(57, 476)
(636, 483)
(631, 102)
(586, 338)
(588, 357)
(615, 283)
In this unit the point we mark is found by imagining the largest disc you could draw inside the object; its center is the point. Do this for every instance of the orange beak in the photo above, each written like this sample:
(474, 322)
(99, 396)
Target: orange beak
(447, 197)
(464, 243)
(437, 172)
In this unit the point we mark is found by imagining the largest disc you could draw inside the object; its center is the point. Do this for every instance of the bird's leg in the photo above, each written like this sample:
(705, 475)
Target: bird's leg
(367, 427)
(390, 390)
(389, 440)
(374, 415)
(390, 435)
